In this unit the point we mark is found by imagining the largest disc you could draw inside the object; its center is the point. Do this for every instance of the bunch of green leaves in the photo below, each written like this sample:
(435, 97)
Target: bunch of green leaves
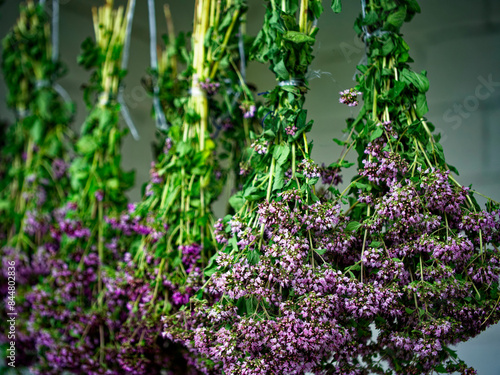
(188, 167)
(35, 152)
(97, 190)
(40, 133)
(185, 177)
(286, 44)
(391, 92)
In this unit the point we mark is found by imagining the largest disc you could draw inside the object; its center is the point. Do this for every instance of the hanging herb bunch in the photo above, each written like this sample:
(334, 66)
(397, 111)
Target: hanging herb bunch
(424, 235)
(71, 317)
(36, 148)
(171, 228)
(287, 302)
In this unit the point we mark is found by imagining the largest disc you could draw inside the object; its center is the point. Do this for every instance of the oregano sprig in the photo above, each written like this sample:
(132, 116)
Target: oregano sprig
(423, 235)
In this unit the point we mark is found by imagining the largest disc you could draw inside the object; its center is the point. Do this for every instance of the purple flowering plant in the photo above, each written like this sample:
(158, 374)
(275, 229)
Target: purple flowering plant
(170, 232)
(420, 233)
(300, 277)
(35, 153)
(70, 307)
(282, 305)
(408, 269)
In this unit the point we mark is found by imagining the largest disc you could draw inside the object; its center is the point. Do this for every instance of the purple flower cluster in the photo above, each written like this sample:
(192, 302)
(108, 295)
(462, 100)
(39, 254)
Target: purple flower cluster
(296, 309)
(260, 146)
(248, 109)
(129, 223)
(59, 167)
(330, 175)
(309, 169)
(349, 97)
(290, 130)
(209, 86)
(382, 166)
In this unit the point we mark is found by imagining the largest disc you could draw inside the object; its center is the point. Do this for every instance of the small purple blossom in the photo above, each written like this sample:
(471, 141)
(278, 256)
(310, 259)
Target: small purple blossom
(349, 97)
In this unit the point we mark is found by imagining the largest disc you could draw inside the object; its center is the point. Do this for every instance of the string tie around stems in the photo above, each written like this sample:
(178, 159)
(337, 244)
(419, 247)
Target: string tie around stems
(104, 98)
(196, 91)
(22, 113)
(42, 83)
(366, 34)
(297, 82)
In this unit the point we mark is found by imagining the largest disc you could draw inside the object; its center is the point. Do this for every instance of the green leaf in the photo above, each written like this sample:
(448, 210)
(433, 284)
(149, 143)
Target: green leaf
(376, 133)
(320, 251)
(387, 47)
(452, 353)
(279, 178)
(409, 311)
(337, 6)
(251, 305)
(370, 18)
(5, 205)
(212, 266)
(413, 6)
(339, 142)
(281, 71)
(237, 201)
(298, 37)
(43, 102)
(397, 18)
(353, 226)
(113, 184)
(422, 107)
(36, 131)
(253, 257)
(396, 90)
(440, 369)
(252, 193)
(86, 144)
(420, 81)
(388, 4)
(280, 153)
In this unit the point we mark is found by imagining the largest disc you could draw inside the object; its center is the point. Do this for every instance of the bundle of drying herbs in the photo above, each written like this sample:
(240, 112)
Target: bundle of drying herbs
(36, 147)
(299, 277)
(70, 317)
(170, 232)
(423, 234)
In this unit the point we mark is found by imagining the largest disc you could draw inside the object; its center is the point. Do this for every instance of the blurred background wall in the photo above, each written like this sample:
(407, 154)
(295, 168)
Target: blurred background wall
(456, 41)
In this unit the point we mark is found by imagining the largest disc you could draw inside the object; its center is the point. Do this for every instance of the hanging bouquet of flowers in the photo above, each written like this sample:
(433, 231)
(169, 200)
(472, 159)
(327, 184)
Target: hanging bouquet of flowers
(382, 276)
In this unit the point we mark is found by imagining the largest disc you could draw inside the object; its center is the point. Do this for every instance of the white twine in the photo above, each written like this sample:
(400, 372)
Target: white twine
(62, 92)
(126, 116)
(124, 64)
(161, 122)
(128, 33)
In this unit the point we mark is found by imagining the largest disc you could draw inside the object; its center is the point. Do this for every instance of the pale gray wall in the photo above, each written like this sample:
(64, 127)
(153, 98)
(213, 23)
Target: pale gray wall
(456, 41)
